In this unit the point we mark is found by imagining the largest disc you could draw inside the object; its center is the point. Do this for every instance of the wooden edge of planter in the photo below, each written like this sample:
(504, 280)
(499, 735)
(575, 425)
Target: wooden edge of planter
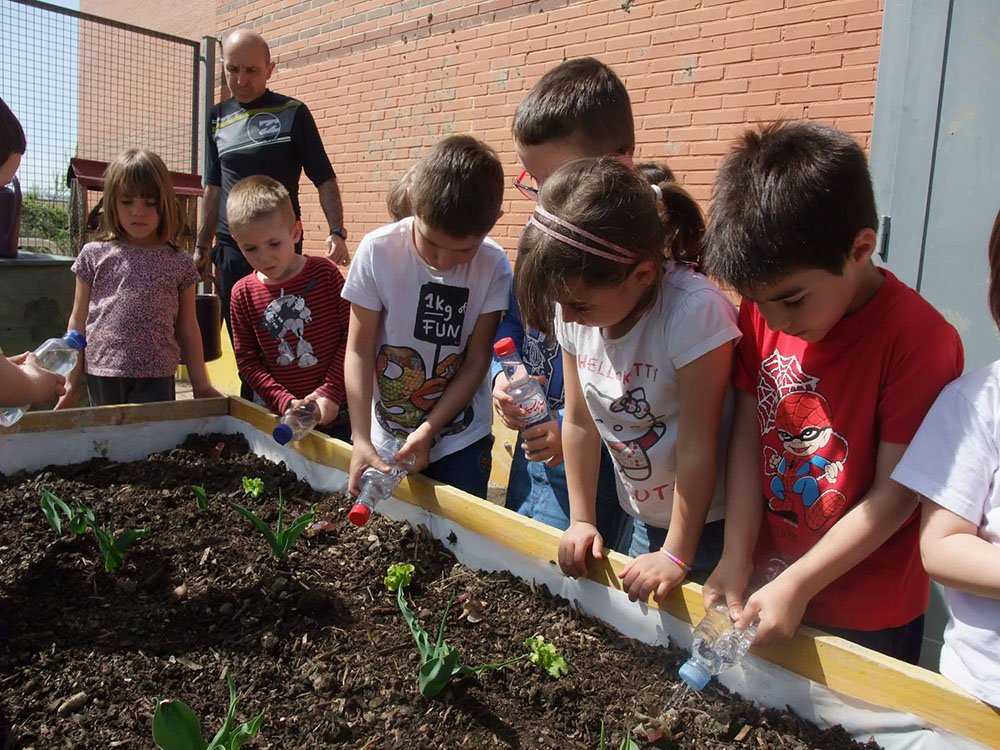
(105, 416)
(314, 446)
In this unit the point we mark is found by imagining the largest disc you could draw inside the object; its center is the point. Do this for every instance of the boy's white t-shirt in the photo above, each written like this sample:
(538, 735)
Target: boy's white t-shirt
(631, 387)
(954, 460)
(427, 318)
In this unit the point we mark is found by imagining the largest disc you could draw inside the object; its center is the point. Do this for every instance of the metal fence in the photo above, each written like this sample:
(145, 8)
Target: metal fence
(88, 87)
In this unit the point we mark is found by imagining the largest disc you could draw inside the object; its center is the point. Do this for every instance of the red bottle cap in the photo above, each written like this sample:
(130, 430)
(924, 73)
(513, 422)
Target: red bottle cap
(504, 347)
(359, 514)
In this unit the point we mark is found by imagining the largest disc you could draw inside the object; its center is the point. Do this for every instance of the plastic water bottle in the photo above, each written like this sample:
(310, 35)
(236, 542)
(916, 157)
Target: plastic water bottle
(376, 485)
(716, 644)
(56, 355)
(524, 389)
(296, 422)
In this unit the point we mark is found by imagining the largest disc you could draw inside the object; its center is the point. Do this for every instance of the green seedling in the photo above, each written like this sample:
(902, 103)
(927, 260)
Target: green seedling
(253, 488)
(80, 518)
(200, 496)
(175, 727)
(439, 662)
(546, 656)
(627, 742)
(281, 539)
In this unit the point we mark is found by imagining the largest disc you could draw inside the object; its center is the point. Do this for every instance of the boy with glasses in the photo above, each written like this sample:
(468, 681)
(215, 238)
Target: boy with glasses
(578, 109)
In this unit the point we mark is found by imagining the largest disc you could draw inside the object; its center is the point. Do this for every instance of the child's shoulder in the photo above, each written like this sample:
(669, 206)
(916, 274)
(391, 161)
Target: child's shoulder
(902, 315)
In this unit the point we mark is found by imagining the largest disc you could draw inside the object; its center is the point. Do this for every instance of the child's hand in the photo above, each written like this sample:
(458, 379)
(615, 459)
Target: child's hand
(328, 408)
(652, 573)
(727, 583)
(542, 442)
(577, 542)
(363, 455)
(418, 448)
(779, 606)
(45, 385)
(511, 415)
(204, 390)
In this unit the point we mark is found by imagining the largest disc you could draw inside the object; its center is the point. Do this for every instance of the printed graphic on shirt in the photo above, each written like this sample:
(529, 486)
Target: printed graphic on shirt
(540, 357)
(441, 314)
(802, 453)
(285, 319)
(629, 429)
(407, 394)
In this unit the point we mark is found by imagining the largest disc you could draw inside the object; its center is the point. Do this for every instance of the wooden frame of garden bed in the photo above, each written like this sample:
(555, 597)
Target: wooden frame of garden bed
(849, 670)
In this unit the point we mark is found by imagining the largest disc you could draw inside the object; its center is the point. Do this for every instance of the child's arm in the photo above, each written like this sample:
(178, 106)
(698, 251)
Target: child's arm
(77, 322)
(189, 339)
(23, 382)
(781, 604)
(702, 393)
(955, 555)
(458, 393)
(744, 509)
(582, 450)
(359, 375)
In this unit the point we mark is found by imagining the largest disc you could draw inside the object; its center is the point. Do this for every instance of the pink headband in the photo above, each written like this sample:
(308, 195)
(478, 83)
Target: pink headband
(619, 254)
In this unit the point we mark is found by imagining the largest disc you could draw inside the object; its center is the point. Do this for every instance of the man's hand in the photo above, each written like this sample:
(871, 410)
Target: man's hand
(202, 260)
(336, 250)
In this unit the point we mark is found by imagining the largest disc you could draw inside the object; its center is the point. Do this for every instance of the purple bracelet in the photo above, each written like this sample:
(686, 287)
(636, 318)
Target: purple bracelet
(676, 560)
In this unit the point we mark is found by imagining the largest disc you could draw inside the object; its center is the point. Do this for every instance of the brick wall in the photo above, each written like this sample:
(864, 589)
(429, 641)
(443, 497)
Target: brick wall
(386, 80)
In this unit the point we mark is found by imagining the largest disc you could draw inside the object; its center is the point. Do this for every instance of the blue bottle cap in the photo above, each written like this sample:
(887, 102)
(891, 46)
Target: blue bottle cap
(282, 434)
(76, 340)
(694, 674)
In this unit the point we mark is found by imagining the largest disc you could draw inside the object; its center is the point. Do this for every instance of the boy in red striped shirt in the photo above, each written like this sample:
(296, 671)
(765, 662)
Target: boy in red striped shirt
(289, 321)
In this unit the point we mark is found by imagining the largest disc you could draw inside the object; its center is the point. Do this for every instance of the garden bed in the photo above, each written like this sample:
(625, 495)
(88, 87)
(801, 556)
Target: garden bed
(315, 640)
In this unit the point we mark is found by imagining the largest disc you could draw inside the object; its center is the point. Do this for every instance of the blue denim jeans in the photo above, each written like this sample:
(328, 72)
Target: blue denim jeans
(646, 538)
(467, 469)
(539, 492)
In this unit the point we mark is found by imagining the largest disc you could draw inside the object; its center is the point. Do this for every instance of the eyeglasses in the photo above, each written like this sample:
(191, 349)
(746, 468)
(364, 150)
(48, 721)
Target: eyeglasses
(528, 191)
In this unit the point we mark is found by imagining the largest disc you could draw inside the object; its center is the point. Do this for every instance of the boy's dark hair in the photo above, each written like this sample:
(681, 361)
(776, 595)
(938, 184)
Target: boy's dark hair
(457, 187)
(787, 197)
(581, 99)
(994, 258)
(12, 140)
(653, 226)
(654, 172)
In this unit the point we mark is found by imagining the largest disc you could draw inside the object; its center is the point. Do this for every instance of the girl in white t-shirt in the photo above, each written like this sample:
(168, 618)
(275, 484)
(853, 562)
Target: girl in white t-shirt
(647, 352)
(954, 463)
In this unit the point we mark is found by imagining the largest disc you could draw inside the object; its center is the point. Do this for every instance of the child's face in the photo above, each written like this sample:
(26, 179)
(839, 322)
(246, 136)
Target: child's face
(614, 308)
(9, 168)
(139, 217)
(441, 251)
(809, 302)
(268, 244)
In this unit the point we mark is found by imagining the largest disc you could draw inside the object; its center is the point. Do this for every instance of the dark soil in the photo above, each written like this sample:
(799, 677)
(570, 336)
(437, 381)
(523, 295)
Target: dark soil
(315, 640)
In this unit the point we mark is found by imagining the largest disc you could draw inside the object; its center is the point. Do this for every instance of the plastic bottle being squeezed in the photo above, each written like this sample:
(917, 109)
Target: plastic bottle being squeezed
(296, 422)
(376, 485)
(716, 645)
(524, 389)
(55, 355)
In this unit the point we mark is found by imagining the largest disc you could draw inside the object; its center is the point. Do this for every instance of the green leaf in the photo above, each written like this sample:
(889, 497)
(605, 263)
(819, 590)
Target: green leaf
(200, 496)
(300, 524)
(546, 656)
(419, 634)
(51, 506)
(82, 518)
(437, 671)
(262, 527)
(253, 487)
(175, 727)
(398, 576)
(628, 744)
(246, 732)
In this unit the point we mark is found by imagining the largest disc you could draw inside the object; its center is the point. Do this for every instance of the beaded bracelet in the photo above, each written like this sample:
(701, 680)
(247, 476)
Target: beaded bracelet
(676, 560)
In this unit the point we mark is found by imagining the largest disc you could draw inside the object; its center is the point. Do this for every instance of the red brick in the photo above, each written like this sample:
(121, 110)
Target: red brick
(842, 75)
(812, 62)
(866, 21)
(808, 94)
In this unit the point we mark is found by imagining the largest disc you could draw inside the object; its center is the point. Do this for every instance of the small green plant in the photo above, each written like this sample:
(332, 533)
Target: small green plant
(200, 496)
(253, 488)
(175, 727)
(627, 742)
(281, 539)
(439, 662)
(79, 518)
(546, 656)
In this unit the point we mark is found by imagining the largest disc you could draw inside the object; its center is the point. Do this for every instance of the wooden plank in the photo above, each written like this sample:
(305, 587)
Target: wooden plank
(101, 416)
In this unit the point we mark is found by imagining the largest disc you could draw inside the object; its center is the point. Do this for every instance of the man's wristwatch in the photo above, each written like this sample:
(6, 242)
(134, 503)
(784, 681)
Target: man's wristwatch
(340, 232)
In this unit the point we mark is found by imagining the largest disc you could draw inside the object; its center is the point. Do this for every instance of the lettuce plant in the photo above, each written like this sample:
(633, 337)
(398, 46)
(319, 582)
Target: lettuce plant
(253, 487)
(282, 538)
(175, 727)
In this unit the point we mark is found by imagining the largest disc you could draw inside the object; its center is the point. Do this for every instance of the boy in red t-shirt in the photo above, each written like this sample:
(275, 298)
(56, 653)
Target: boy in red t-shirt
(838, 364)
(289, 320)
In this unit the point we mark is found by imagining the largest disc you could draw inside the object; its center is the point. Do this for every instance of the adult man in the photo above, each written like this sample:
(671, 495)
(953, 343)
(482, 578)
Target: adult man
(259, 131)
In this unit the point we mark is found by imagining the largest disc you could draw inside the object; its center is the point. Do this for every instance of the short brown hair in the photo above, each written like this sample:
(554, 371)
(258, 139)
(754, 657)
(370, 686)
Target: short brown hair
(258, 197)
(579, 99)
(994, 258)
(140, 174)
(397, 200)
(12, 140)
(457, 187)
